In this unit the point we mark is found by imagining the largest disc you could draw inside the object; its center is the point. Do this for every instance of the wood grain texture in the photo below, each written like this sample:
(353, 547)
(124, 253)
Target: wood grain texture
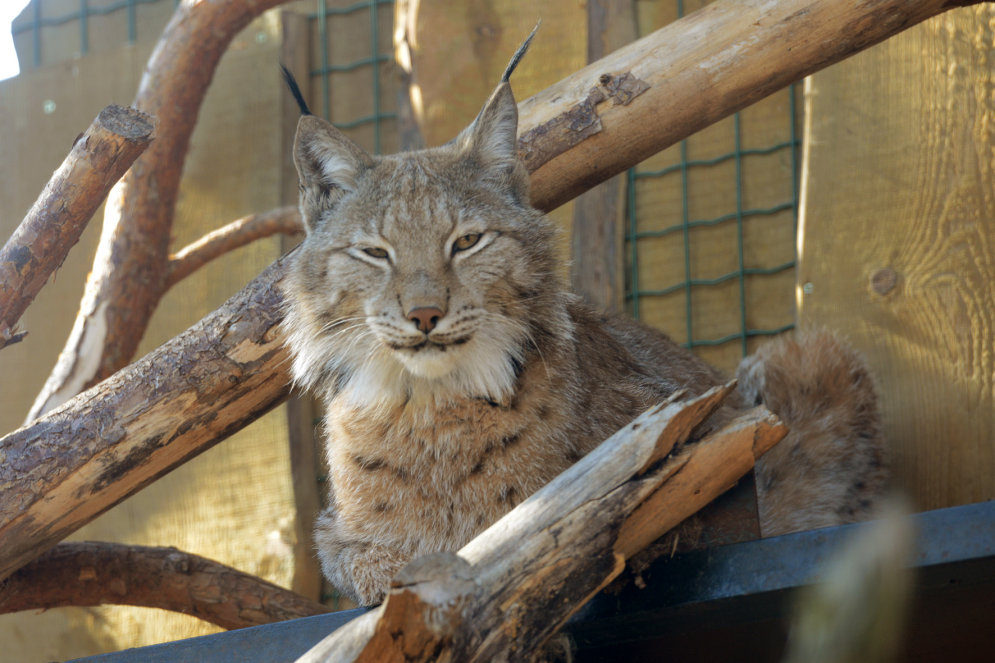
(898, 242)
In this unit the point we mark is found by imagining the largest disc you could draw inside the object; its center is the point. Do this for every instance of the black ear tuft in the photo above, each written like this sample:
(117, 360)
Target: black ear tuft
(295, 90)
(520, 53)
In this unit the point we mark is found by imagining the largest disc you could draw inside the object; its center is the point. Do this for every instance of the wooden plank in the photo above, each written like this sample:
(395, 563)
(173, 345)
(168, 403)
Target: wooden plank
(596, 268)
(898, 248)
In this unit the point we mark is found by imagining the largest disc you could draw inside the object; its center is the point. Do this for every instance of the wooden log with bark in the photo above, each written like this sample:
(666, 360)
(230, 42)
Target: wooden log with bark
(89, 574)
(68, 467)
(62, 470)
(689, 74)
(507, 591)
(54, 224)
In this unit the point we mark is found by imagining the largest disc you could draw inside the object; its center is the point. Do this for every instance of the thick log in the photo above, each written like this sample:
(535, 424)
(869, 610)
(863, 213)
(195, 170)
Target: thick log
(199, 388)
(687, 75)
(54, 224)
(522, 578)
(66, 468)
(89, 574)
(129, 270)
(238, 233)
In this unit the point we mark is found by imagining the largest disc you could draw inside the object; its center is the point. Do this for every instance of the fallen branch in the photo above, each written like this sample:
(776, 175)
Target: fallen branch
(513, 586)
(89, 574)
(129, 270)
(238, 233)
(54, 224)
(218, 376)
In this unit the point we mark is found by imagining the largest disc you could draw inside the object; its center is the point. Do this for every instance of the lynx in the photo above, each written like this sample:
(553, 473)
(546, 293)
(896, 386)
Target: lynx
(426, 308)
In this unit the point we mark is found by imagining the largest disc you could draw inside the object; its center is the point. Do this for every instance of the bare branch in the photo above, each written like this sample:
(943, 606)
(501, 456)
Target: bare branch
(129, 271)
(54, 224)
(281, 221)
(88, 574)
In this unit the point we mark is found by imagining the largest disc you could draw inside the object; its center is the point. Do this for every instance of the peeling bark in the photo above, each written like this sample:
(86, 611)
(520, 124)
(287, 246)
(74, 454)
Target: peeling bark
(692, 73)
(89, 574)
(54, 224)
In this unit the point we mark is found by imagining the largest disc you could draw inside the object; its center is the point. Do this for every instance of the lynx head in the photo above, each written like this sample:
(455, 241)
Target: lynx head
(421, 272)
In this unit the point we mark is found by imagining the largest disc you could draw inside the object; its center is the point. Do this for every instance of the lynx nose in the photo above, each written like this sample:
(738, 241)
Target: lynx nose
(425, 317)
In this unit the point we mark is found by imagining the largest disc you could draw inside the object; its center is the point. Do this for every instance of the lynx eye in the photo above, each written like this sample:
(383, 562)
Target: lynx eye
(376, 252)
(466, 241)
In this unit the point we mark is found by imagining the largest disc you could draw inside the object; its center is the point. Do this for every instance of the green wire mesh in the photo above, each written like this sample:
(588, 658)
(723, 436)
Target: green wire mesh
(37, 21)
(638, 292)
(327, 69)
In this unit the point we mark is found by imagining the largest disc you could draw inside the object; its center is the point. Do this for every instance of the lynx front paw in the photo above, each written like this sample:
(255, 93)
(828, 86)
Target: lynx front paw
(360, 569)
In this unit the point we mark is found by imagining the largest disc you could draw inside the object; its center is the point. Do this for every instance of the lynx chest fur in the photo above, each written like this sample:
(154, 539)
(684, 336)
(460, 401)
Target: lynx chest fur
(459, 375)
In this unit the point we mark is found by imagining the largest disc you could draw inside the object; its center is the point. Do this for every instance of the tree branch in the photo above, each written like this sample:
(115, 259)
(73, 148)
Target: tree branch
(89, 574)
(129, 271)
(54, 224)
(515, 584)
(71, 465)
(238, 233)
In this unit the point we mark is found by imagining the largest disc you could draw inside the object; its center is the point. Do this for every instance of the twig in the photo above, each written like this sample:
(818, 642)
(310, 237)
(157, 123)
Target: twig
(88, 574)
(284, 220)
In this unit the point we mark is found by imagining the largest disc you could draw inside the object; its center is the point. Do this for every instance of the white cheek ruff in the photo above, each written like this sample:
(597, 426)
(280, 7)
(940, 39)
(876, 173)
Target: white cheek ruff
(360, 368)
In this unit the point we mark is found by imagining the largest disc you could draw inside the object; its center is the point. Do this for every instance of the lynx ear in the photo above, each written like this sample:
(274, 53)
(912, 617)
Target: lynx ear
(492, 141)
(328, 166)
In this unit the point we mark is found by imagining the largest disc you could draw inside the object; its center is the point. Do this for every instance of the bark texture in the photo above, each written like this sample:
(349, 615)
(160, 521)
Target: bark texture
(66, 468)
(89, 574)
(53, 225)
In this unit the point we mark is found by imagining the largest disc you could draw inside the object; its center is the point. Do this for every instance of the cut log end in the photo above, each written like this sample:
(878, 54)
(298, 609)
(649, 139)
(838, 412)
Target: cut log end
(128, 123)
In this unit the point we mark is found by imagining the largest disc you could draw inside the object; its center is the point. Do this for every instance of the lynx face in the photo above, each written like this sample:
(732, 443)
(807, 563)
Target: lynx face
(417, 272)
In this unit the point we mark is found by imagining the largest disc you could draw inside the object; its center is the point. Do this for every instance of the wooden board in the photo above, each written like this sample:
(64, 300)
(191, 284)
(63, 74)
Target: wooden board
(898, 243)
(235, 503)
